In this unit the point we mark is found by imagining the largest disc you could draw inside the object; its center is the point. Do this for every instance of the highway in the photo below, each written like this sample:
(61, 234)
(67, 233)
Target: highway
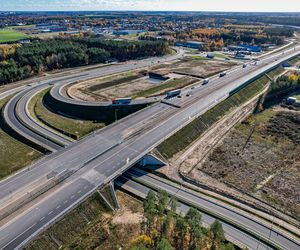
(17, 117)
(233, 234)
(194, 199)
(99, 158)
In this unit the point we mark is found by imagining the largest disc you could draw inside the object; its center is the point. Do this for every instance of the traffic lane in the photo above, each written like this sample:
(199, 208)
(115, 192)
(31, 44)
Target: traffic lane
(43, 213)
(183, 194)
(12, 120)
(142, 191)
(22, 110)
(224, 81)
(56, 91)
(72, 156)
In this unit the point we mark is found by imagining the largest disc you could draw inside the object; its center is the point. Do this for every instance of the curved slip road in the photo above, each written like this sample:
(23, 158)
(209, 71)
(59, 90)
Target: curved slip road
(102, 156)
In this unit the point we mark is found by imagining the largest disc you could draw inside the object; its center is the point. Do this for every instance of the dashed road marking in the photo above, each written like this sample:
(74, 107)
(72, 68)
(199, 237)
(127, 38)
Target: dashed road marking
(72, 196)
(42, 218)
(58, 207)
(50, 212)
(65, 201)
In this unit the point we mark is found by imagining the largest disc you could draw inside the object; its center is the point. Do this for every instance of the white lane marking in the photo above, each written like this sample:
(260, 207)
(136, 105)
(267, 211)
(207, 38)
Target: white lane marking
(65, 201)
(50, 212)
(58, 207)
(72, 196)
(79, 192)
(42, 218)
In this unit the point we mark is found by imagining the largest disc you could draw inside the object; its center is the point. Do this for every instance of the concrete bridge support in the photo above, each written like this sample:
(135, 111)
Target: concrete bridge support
(108, 194)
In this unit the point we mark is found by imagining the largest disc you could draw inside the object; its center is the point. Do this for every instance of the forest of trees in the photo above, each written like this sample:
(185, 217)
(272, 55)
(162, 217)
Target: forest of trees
(164, 229)
(44, 55)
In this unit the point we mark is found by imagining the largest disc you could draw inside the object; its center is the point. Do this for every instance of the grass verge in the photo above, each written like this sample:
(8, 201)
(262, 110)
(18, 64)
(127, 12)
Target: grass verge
(70, 127)
(169, 85)
(14, 155)
(187, 135)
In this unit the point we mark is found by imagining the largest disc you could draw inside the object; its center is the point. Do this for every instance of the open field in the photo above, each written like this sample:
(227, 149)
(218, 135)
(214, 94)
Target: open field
(10, 35)
(14, 155)
(187, 135)
(260, 156)
(92, 226)
(70, 127)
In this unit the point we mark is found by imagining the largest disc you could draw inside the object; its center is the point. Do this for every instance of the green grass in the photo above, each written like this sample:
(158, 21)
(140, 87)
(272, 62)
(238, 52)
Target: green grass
(275, 72)
(14, 155)
(169, 85)
(187, 135)
(11, 35)
(199, 58)
(70, 127)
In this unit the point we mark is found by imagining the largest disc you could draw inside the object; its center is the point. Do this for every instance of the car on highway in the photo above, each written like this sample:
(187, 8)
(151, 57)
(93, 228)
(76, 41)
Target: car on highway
(223, 74)
(205, 81)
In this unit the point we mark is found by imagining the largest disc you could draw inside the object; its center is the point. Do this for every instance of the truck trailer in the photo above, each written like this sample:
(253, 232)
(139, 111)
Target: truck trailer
(122, 101)
(173, 93)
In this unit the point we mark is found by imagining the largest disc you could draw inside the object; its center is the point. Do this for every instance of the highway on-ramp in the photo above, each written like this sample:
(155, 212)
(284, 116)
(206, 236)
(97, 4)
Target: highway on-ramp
(79, 169)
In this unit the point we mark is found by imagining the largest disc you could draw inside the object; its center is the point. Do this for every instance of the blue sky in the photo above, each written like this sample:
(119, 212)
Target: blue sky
(195, 5)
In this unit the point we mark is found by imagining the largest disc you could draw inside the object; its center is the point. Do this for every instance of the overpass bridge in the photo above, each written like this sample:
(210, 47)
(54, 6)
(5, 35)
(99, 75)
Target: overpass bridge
(84, 166)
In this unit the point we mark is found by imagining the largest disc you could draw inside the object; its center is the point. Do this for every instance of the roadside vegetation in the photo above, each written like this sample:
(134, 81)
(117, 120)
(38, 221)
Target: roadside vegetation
(14, 155)
(187, 135)
(260, 156)
(167, 86)
(152, 224)
(164, 229)
(68, 126)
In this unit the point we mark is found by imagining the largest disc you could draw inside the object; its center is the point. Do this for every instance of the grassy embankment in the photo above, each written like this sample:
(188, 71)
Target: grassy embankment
(11, 35)
(14, 155)
(167, 86)
(92, 226)
(113, 80)
(193, 130)
(71, 127)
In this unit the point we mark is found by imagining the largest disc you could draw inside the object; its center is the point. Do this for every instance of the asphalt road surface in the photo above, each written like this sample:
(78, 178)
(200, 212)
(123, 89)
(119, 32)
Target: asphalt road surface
(99, 158)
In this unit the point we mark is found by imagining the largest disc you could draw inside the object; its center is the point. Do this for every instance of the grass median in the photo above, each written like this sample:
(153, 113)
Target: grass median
(71, 127)
(14, 155)
(167, 86)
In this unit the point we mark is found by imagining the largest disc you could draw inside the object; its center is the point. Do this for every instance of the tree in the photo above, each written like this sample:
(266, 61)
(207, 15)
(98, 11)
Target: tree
(193, 219)
(228, 246)
(150, 210)
(217, 234)
(163, 200)
(173, 204)
(164, 244)
(181, 231)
